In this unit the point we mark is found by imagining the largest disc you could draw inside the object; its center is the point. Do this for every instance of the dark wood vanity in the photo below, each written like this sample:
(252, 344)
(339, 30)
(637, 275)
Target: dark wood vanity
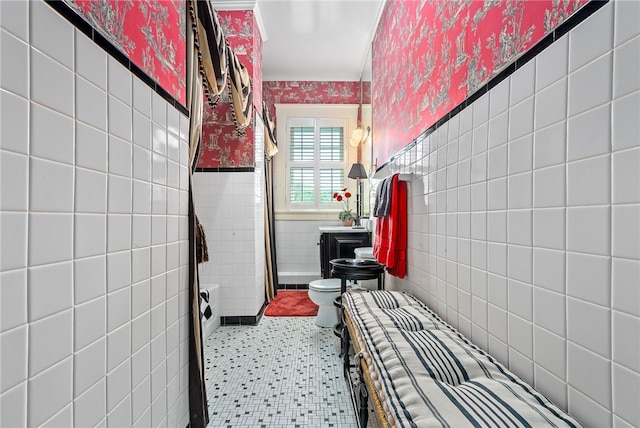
(340, 242)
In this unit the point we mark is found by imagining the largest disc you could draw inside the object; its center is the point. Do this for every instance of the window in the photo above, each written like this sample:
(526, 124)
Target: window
(316, 162)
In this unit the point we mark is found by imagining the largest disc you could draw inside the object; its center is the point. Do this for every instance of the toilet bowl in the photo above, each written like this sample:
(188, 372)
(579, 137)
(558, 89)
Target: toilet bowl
(323, 292)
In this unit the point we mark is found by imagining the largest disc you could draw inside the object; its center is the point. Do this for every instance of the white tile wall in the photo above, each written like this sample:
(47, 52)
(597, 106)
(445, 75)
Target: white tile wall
(539, 260)
(298, 250)
(76, 310)
(230, 206)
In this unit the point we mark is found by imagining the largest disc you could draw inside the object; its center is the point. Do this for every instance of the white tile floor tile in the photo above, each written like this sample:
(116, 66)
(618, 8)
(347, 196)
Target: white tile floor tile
(284, 372)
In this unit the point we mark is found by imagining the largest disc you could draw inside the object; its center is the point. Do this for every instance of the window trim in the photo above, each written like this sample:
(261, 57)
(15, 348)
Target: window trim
(317, 123)
(285, 111)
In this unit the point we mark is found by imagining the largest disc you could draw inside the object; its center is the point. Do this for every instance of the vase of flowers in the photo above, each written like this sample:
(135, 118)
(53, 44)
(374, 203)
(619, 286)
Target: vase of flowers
(346, 215)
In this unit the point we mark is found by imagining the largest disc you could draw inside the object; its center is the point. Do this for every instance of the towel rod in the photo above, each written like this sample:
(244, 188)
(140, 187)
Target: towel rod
(402, 177)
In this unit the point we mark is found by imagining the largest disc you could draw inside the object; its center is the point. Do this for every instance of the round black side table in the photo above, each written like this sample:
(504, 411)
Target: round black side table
(352, 269)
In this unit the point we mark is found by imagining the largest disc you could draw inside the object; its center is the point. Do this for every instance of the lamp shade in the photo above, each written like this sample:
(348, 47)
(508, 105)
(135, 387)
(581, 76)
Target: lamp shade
(357, 171)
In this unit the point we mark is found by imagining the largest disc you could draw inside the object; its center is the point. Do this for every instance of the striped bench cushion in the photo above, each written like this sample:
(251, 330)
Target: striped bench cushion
(427, 374)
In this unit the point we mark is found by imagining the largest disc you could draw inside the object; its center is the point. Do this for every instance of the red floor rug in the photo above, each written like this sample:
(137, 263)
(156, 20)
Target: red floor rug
(291, 303)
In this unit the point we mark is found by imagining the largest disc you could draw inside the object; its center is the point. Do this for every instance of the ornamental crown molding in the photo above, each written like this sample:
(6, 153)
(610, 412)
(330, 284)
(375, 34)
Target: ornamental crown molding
(243, 5)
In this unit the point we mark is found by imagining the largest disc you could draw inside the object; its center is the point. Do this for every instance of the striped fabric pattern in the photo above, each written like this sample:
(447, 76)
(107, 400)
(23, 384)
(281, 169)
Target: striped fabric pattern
(426, 374)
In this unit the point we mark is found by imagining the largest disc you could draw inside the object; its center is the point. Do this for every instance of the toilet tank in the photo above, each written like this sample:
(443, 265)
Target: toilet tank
(366, 253)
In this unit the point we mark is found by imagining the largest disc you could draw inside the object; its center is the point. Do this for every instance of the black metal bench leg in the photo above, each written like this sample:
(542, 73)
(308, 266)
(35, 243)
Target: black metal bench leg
(364, 411)
(363, 401)
(345, 351)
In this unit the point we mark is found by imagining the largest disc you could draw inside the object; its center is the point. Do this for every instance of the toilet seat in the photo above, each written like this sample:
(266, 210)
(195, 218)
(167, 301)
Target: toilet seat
(328, 285)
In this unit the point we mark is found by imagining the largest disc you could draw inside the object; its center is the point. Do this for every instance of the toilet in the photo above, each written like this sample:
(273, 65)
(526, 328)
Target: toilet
(323, 292)
(367, 254)
(364, 253)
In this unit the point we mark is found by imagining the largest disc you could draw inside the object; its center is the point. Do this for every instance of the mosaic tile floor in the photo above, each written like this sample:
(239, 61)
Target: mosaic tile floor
(284, 372)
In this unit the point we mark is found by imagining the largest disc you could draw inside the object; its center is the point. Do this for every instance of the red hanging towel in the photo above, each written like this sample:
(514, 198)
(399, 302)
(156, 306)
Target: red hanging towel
(390, 247)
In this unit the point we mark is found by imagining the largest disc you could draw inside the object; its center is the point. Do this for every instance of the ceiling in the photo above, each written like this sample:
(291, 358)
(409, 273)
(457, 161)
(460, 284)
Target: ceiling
(317, 40)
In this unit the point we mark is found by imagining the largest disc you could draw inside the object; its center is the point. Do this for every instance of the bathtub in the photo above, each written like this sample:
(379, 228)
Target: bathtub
(213, 322)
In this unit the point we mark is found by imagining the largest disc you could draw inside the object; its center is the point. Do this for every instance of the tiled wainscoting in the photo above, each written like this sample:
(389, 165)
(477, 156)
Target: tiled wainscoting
(93, 219)
(225, 205)
(297, 244)
(230, 206)
(524, 219)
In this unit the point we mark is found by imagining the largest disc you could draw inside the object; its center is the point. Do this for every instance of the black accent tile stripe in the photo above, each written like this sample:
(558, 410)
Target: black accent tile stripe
(293, 286)
(477, 94)
(226, 169)
(503, 74)
(534, 51)
(81, 24)
(243, 319)
(583, 13)
(240, 320)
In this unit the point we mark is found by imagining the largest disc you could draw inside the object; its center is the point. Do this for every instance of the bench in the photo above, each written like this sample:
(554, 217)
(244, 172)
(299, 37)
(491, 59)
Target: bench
(418, 371)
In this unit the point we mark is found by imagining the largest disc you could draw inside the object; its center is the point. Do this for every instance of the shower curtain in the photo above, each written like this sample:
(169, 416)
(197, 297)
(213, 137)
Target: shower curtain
(207, 69)
(270, 266)
(198, 411)
(271, 263)
(210, 64)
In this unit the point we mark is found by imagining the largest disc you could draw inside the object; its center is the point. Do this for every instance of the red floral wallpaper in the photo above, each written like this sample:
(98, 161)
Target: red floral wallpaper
(430, 56)
(150, 32)
(294, 92)
(256, 63)
(221, 145)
